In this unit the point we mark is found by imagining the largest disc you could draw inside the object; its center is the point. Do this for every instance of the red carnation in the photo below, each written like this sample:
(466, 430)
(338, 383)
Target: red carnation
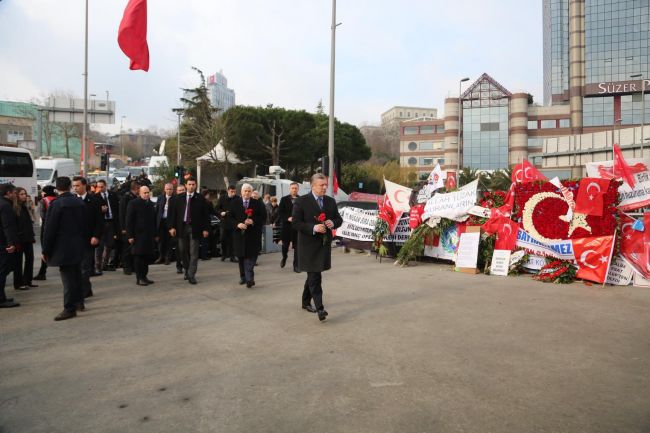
(322, 217)
(249, 212)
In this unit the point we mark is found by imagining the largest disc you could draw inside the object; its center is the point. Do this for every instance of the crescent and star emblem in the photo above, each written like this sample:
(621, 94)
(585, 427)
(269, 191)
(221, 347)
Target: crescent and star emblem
(591, 197)
(583, 259)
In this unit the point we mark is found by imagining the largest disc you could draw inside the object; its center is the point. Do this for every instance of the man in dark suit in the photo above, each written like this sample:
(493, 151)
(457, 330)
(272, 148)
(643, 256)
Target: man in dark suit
(180, 192)
(95, 224)
(190, 222)
(162, 212)
(64, 244)
(249, 216)
(288, 235)
(314, 216)
(110, 207)
(227, 226)
(8, 240)
(127, 258)
(141, 232)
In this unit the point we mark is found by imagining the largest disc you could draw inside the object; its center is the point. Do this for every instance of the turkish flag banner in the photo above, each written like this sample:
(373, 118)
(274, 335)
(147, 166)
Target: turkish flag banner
(399, 196)
(132, 35)
(621, 168)
(526, 172)
(388, 214)
(593, 256)
(507, 235)
(590, 196)
(450, 183)
(632, 247)
(415, 216)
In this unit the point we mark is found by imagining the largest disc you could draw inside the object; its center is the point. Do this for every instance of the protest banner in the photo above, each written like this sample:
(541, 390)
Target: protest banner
(453, 205)
(620, 273)
(629, 198)
(561, 249)
(534, 262)
(447, 245)
(358, 224)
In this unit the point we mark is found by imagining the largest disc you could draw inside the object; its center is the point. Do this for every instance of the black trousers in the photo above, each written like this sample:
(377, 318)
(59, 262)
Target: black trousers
(24, 266)
(141, 266)
(86, 269)
(313, 290)
(6, 265)
(226, 241)
(164, 243)
(127, 256)
(247, 268)
(72, 291)
(285, 247)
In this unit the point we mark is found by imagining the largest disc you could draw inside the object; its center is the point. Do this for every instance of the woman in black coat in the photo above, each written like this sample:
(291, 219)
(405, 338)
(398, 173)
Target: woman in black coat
(249, 216)
(141, 233)
(25, 249)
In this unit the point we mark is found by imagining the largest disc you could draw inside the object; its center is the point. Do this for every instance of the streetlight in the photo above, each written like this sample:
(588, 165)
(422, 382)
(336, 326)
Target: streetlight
(121, 141)
(84, 144)
(178, 112)
(642, 106)
(330, 137)
(460, 107)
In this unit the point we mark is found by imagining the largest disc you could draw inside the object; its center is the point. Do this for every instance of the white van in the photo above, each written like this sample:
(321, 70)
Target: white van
(155, 162)
(48, 169)
(17, 167)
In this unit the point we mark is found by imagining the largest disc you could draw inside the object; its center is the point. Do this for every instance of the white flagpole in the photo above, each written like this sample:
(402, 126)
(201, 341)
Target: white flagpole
(611, 252)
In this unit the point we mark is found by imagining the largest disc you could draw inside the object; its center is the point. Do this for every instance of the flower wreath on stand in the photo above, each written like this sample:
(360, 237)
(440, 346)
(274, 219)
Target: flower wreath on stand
(557, 271)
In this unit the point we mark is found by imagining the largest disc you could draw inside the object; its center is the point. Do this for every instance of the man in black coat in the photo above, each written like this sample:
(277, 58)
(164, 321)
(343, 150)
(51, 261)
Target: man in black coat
(64, 244)
(141, 232)
(173, 242)
(8, 240)
(190, 222)
(95, 223)
(110, 207)
(288, 235)
(314, 216)
(127, 258)
(249, 216)
(227, 226)
(162, 212)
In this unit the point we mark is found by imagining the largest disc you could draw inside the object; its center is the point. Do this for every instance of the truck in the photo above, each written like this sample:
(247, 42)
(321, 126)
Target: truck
(274, 186)
(48, 169)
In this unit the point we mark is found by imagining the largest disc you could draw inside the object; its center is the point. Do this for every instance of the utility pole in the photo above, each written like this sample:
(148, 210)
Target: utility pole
(330, 141)
(84, 144)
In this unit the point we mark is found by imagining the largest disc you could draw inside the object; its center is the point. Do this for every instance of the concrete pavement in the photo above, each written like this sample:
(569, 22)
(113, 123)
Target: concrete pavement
(421, 349)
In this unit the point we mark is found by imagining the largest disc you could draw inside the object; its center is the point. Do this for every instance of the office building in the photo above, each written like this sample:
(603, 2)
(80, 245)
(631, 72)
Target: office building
(220, 95)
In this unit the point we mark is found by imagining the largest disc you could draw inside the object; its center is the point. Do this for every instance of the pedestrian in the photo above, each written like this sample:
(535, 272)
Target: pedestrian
(205, 244)
(314, 216)
(24, 255)
(190, 222)
(94, 223)
(65, 244)
(110, 207)
(131, 194)
(272, 212)
(180, 191)
(266, 201)
(288, 235)
(142, 235)
(49, 194)
(162, 211)
(249, 216)
(227, 226)
(8, 240)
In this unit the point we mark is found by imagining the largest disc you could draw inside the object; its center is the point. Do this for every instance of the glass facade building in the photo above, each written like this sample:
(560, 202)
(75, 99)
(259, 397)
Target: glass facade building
(220, 95)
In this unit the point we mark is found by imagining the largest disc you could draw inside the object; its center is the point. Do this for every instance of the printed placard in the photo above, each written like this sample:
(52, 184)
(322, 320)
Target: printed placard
(500, 263)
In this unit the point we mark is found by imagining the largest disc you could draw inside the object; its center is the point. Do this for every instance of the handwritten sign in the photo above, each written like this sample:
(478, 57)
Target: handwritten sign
(453, 205)
(500, 263)
(620, 273)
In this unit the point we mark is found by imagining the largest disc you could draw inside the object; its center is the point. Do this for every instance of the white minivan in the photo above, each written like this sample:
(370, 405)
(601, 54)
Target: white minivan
(48, 169)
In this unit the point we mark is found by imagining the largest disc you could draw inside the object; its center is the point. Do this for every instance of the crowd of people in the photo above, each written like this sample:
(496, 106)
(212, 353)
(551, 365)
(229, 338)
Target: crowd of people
(87, 230)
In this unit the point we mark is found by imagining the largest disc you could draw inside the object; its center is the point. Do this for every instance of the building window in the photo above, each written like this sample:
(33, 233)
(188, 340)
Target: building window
(400, 114)
(564, 123)
(426, 161)
(532, 124)
(489, 126)
(427, 145)
(410, 130)
(440, 128)
(427, 129)
(14, 136)
(441, 161)
(438, 145)
(413, 146)
(546, 124)
(412, 161)
(408, 114)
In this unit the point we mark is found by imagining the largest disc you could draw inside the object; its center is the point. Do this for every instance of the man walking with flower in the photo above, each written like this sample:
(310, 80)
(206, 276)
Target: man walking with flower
(314, 216)
(249, 216)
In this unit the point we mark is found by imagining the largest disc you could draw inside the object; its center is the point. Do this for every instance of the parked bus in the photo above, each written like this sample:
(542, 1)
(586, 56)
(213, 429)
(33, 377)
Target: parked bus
(17, 167)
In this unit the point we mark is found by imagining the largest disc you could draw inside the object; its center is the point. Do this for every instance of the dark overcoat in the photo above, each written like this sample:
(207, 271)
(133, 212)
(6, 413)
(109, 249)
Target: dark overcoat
(141, 226)
(248, 243)
(199, 215)
(94, 215)
(66, 231)
(285, 209)
(314, 249)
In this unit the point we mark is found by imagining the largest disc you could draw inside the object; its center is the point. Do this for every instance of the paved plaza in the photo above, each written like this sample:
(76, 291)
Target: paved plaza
(419, 349)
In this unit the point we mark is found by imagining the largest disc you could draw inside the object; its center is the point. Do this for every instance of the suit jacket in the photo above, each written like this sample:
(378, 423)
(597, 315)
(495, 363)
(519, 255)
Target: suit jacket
(124, 202)
(8, 224)
(94, 215)
(66, 231)
(248, 243)
(114, 203)
(199, 215)
(141, 226)
(284, 213)
(314, 249)
(160, 210)
(223, 205)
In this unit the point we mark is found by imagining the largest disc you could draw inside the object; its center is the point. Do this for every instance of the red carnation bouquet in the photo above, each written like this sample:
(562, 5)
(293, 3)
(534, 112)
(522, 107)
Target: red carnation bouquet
(249, 214)
(321, 218)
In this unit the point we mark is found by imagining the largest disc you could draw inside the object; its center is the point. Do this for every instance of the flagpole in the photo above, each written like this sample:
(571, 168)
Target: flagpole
(609, 263)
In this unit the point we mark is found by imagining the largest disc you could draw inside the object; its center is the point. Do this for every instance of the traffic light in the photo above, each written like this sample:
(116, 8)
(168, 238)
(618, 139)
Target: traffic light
(179, 172)
(104, 161)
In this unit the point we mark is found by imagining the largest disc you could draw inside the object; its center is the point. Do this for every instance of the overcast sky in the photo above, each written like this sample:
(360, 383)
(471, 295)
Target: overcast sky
(273, 51)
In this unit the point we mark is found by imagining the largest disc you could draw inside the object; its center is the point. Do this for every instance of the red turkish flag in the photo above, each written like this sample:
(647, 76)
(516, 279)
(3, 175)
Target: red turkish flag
(335, 184)
(415, 216)
(593, 256)
(526, 172)
(132, 35)
(388, 214)
(451, 183)
(621, 169)
(590, 196)
(506, 231)
(632, 245)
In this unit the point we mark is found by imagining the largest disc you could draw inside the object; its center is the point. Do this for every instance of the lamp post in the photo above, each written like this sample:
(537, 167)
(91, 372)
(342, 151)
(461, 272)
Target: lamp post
(460, 108)
(642, 106)
(121, 133)
(84, 144)
(178, 112)
(330, 139)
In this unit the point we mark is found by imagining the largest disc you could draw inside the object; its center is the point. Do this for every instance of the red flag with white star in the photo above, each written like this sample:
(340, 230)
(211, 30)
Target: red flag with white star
(590, 196)
(632, 245)
(526, 172)
(621, 168)
(593, 256)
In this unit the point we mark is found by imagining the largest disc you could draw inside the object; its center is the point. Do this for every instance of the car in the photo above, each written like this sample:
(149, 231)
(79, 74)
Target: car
(120, 175)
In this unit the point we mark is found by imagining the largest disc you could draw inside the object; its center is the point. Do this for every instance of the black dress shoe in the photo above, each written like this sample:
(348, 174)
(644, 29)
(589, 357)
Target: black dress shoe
(108, 269)
(242, 281)
(185, 277)
(157, 262)
(40, 277)
(322, 315)
(9, 303)
(192, 280)
(32, 285)
(96, 274)
(250, 284)
(223, 258)
(148, 281)
(168, 262)
(309, 308)
(283, 262)
(142, 283)
(234, 259)
(296, 270)
(21, 288)
(81, 306)
(64, 315)
(179, 271)
(127, 272)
